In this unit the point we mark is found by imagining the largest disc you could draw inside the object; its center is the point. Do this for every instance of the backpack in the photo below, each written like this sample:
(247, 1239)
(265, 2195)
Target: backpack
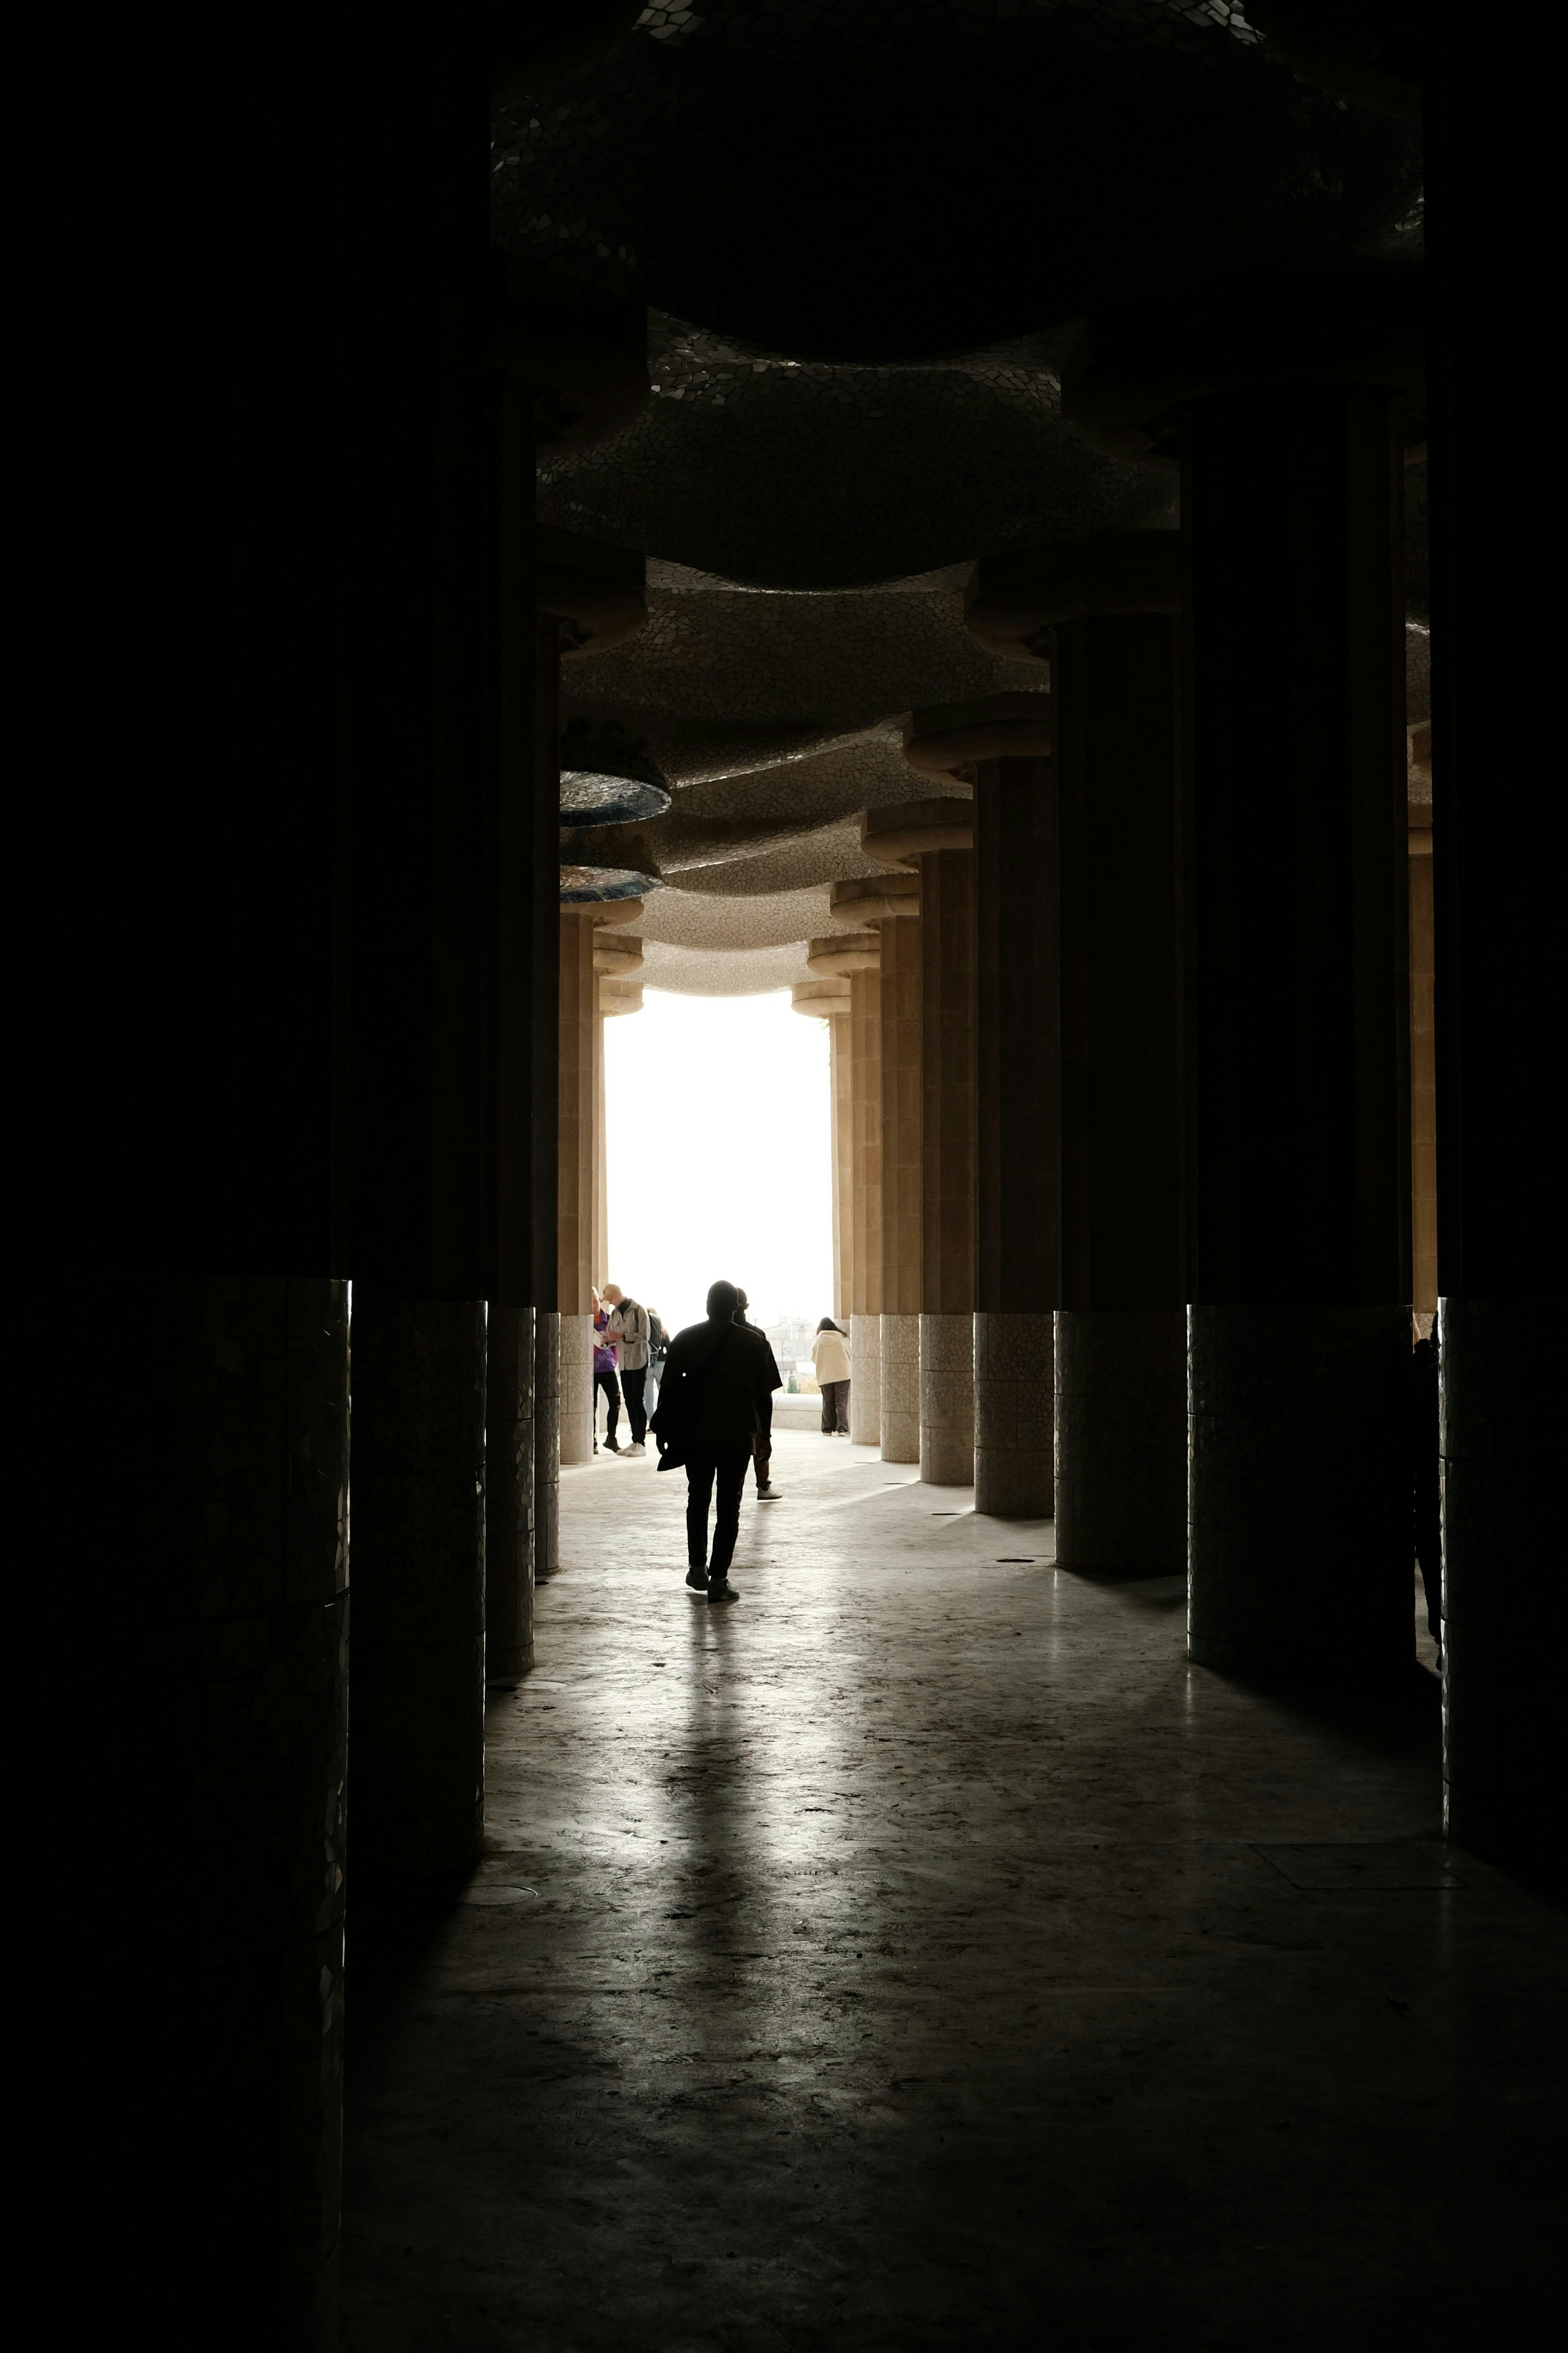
(679, 1403)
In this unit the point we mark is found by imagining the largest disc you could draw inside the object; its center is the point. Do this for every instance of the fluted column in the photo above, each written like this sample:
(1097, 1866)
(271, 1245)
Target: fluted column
(509, 1494)
(920, 833)
(1095, 1221)
(1296, 1111)
(545, 1140)
(590, 597)
(617, 991)
(1498, 941)
(577, 1196)
(891, 902)
(843, 1163)
(1423, 1029)
(417, 1786)
(866, 1299)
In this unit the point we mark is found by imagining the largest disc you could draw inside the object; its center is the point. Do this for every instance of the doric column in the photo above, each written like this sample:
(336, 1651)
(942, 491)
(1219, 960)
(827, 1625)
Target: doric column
(1296, 906)
(617, 959)
(852, 957)
(577, 1197)
(939, 835)
(839, 1069)
(1498, 938)
(1423, 1031)
(866, 1299)
(1297, 1111)
(827, 999)
(545, 1063)
(510, 1421)
(594, 597)
(417, 1768)
(845, 989)
(591, 597)
(1087, 1187)
(891, 902)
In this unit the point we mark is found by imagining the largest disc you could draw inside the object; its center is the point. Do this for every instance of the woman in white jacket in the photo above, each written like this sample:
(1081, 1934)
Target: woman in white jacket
(830, 1358)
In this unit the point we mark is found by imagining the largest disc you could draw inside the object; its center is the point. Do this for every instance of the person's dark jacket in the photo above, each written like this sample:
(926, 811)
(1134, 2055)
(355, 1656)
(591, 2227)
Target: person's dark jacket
(736, 1368)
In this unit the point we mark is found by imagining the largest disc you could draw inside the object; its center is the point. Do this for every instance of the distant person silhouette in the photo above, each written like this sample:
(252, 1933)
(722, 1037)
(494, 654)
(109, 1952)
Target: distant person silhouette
(830, 1357)
(716, 1395)
(762, 1444)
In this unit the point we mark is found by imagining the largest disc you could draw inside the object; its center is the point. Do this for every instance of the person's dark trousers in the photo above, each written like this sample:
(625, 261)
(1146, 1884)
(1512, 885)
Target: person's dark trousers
(835, 1406)
(637, 1412)
(607, 1381)
(728, 1465)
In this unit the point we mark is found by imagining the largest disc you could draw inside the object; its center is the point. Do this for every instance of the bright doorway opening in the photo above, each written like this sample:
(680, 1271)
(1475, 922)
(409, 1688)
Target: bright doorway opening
(717, 1160)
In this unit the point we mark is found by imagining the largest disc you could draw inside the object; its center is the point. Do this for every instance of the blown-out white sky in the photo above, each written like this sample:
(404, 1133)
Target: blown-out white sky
(718, 1144)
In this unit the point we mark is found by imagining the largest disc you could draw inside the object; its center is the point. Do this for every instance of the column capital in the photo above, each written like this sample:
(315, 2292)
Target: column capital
(596, 592)
(874, 898)
(947, 739)
(618, 996)
(823, 1000)
(909, 829)
(844, 953)
(1014, 599)
(1141, 366)
(616, 956)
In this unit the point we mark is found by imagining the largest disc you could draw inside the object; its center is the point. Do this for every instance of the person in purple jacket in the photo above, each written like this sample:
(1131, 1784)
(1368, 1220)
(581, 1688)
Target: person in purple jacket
(604, 1377)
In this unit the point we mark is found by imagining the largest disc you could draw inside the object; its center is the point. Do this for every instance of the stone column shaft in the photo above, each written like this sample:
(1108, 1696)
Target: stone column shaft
(1423, 1078)
(1018, 1104)
(947, 1167)
(545, 1071)
(1121, 1405)
(1296, 1031)
(601, 1273)
(839, 1066)
(576, 1222)
(901, 1231)
(1499, 990)
(866, 1303)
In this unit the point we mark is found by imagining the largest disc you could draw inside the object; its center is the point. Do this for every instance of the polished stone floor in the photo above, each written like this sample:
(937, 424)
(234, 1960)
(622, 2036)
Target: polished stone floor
(921, 1954)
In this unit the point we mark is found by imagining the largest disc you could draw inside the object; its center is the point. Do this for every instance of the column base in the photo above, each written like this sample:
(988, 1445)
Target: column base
(546, 1443)
(947, 1400)
(1502, 1706)
(1014, 1416)
(901, 1388)
(576, 1392)
(865, 1380)
(1121, 1443)
(416, 1774)
(509, 1495)
(1299, 1501)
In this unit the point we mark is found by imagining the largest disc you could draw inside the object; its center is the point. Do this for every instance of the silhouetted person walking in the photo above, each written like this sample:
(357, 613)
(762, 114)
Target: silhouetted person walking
(762, 1444)
(716, 1395)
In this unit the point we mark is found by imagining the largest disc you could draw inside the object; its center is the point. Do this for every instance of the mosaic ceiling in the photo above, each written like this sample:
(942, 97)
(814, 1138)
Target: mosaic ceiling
(867, 233)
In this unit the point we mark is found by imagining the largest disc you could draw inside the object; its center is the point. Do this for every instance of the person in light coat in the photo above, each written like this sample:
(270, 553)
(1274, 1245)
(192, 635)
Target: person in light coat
(629, 1333)
(830, 1360)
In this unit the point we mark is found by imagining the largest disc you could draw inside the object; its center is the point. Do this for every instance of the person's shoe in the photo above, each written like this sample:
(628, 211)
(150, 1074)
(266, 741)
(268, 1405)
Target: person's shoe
(722, 1590)
(698, 1579)
(637, 1447)
(768, 1494)
(611, 1448)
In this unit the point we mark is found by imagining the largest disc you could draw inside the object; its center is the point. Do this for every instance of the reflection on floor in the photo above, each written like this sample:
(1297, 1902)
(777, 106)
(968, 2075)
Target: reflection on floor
(921, 1954)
